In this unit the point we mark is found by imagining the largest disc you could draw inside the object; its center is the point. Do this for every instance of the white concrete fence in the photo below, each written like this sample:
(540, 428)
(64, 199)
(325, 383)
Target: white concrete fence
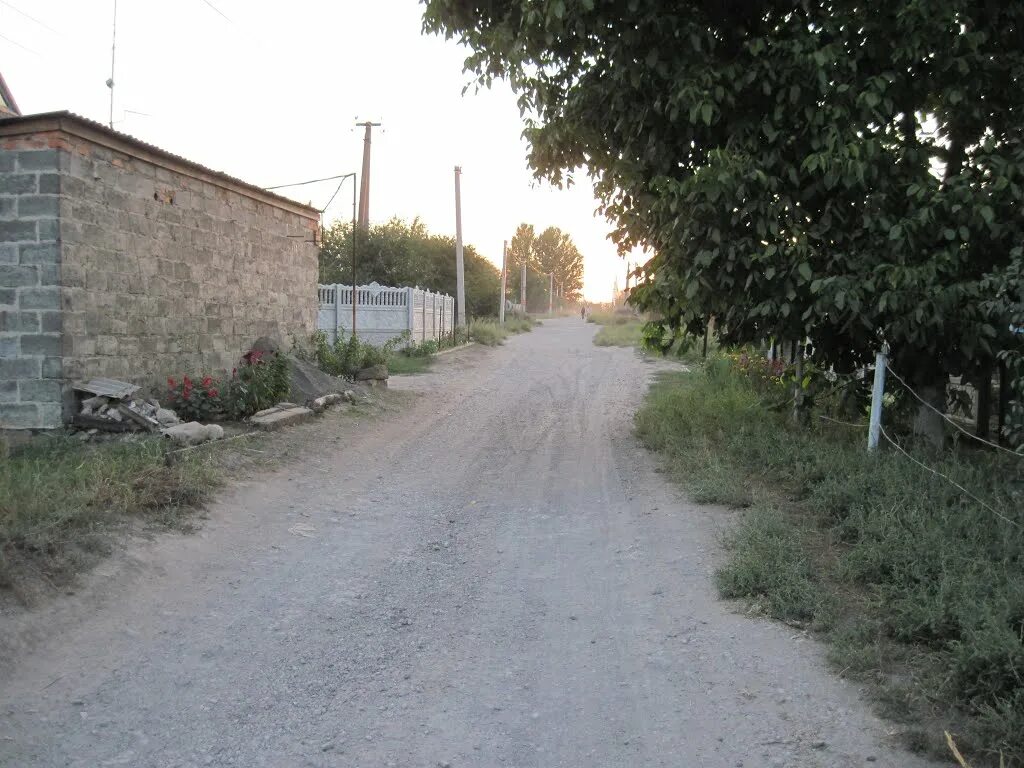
(382, 313)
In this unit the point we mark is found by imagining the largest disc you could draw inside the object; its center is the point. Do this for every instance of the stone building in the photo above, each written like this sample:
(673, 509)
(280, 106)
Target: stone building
(121, 260)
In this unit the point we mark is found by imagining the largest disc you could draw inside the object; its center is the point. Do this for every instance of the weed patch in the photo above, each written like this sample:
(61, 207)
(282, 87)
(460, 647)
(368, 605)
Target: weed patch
(60, 499)
(619, 335)
(919, 588)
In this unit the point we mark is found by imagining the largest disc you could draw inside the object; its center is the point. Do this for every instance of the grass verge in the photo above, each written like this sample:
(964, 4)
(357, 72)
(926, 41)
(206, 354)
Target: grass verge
(919, 589)
(491, 333)
(619, 335)
(60, 499)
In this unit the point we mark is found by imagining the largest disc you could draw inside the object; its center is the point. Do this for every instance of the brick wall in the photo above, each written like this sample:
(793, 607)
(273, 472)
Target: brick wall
(162, 267)
(31, 368)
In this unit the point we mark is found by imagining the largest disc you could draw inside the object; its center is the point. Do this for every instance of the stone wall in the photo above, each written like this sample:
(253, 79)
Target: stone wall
(163, 266)
(31, 367)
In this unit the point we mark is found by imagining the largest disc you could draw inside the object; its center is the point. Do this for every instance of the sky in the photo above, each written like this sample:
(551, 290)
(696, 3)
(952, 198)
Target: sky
(270, 92)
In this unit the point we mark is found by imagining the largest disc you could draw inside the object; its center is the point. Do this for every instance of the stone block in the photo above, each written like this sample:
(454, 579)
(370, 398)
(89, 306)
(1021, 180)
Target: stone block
(35, 253)
(20, 367)
(49, 184)
(8, 253)
(38, 160)
(8, 297)
(17, 231)
(20, 416)
(19, 322)
(39, 391)
(275, 418)
(41, 344)
(8, 391)
(18, 276)
(53, 368)
(51, 415)
(38, 206)
(17, 183)
(48, 229)
(9, 346)
(40, 298)
(6, 161)
(7, 207)
(50, 322)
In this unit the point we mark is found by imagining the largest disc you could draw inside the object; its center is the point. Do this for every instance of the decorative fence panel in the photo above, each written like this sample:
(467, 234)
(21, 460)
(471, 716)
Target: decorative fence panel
(382, 313)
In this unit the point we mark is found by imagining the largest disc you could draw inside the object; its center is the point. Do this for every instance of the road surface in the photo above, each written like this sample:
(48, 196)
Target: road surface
(495, 575)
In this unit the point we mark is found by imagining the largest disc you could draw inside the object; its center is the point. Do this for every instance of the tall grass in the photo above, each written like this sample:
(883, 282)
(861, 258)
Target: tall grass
(920, 588)
(619, 335)
(491, 333)
(60, 499)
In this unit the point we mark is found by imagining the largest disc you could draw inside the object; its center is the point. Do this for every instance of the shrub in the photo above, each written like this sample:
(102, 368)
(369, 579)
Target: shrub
(195, 403)
(487, 332)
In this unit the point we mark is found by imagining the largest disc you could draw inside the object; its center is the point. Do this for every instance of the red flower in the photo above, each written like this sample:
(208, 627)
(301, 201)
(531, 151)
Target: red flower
(253, 356)
(211, 392)
(171, 384)
(207, 381)
(186, 382)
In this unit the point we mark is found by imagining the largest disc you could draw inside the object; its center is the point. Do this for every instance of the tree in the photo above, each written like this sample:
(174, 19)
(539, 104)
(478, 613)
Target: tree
(404, 254)
(555, 253)
(837, 169)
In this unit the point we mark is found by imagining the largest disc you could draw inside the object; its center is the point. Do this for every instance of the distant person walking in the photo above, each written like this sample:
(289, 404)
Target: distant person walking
(583, 312)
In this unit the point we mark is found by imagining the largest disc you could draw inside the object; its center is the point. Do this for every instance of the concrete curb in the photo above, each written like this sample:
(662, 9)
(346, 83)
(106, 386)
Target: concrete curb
(455, 349)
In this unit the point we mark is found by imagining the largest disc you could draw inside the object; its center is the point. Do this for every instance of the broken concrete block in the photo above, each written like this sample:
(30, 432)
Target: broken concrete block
(273, 418)
(166, 417)
(321, 403)
(193, 433)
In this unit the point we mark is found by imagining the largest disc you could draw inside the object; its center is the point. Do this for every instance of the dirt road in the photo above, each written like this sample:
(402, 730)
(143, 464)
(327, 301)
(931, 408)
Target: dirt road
(494, 576)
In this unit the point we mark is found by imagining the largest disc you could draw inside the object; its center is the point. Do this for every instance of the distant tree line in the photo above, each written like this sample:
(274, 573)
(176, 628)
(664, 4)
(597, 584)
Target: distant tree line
(404, 253)
(552, 252)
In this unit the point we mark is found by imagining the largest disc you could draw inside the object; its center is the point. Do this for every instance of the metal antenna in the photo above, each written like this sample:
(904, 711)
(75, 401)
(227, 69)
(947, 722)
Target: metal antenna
(113, 49)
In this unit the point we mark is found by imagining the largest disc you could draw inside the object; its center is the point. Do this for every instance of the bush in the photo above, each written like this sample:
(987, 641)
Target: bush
(346, 358)
(885, 542)
(260, 382)
(487, 332)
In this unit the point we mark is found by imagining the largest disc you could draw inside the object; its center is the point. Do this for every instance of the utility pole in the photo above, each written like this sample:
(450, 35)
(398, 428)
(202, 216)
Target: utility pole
(877, 393)
(522, 285)
(460, 268)
(504, 277)
(551, 293)
(113, 48)
(364, 187)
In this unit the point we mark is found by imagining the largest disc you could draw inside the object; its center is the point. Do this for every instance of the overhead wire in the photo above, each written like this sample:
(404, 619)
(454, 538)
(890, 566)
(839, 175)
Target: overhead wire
(17, 10)
(944, 416)
(950, 480)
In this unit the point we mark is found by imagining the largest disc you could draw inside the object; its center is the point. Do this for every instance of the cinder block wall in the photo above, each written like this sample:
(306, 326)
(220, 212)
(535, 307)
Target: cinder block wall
(120, 261)
(31, 365)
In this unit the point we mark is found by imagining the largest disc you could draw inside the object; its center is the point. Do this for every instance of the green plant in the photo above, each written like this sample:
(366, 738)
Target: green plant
(195, 403)
(261, 382)
(838, 537)
(487, 332)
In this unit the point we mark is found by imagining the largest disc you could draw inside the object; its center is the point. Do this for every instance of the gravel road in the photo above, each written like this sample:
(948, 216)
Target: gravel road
(494, 575)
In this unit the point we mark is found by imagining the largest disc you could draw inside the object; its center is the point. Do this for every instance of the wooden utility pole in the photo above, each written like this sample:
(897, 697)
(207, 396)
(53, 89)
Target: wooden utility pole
(364, 187)
(522, 284)
(504, 277)
(460, 268)
(551, 292)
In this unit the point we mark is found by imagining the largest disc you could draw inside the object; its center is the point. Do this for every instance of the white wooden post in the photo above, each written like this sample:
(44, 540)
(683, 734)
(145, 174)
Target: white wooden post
(877, 392)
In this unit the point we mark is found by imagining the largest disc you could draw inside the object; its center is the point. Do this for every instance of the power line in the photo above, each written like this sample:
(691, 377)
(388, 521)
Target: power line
(30, 18)
(218, 10)
(19, 45)
(311, 181)
(944, 416)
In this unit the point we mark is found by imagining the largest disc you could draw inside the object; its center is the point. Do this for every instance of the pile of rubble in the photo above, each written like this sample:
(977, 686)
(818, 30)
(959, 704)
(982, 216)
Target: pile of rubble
(113, 407)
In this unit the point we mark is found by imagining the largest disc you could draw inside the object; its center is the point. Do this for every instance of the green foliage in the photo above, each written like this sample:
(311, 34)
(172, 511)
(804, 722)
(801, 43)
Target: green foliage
(487, 332)
(620, 335)
(550, 252)
(60, 499)
(841, 538)
(403, 253)
(847, 171)
(261, 381)
(347, 357)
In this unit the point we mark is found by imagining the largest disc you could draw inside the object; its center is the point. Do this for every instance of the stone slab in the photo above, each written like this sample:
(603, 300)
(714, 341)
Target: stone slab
(275, 418)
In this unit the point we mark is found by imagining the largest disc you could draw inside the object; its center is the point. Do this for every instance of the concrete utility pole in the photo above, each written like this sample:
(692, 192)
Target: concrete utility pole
(551, 293)
(522, 285)
(460, 267)
(364, 187)
(504, 277)
(113, 49)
